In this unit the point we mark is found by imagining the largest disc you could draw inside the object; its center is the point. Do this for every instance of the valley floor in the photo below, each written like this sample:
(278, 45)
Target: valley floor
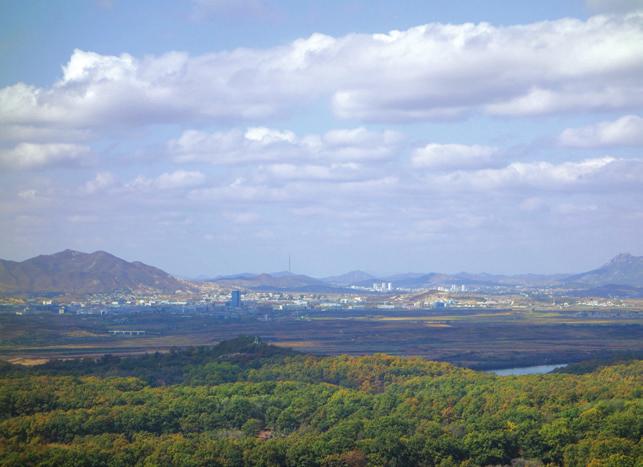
(481, 339)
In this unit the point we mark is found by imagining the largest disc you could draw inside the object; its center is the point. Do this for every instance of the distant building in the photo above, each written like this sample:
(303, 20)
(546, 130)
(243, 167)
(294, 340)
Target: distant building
(235, 299)
(382, 286)
(126, 332)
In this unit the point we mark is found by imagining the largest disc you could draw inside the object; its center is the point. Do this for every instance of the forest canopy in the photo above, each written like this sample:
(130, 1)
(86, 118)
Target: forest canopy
(247, 403)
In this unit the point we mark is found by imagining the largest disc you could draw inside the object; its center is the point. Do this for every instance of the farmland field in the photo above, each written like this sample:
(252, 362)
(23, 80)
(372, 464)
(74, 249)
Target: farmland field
(473, 338)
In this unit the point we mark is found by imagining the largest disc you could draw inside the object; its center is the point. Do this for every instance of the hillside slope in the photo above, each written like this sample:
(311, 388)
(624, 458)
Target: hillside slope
(623, 269)
(81, 273)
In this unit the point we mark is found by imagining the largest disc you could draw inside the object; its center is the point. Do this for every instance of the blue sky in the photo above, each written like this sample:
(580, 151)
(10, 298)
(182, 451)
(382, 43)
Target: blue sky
(212, 136)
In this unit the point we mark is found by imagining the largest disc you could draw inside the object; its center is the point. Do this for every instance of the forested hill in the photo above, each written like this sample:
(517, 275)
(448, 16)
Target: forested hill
(248, 403)
(205, 365)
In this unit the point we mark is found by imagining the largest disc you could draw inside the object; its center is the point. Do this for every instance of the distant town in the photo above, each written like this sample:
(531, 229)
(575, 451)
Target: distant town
(96, 304)
(215, 299)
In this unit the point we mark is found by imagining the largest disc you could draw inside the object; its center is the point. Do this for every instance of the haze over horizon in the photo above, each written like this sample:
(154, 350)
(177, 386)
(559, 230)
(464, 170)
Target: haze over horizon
(220, 137)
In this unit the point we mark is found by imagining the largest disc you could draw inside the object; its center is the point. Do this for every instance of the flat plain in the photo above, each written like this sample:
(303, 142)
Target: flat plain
(475, 338)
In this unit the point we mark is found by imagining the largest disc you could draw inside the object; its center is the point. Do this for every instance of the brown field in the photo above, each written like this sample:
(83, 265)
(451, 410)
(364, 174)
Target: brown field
(28, 361)
(471, 338)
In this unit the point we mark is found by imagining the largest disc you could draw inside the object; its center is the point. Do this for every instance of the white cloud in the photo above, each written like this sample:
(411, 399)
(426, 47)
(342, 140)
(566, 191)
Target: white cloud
(90, 67)
(168, 181)
(267, 136)
(102, 181)
(426, 72)
(625, 131)
(538, 101)
(233, 146)
(596, 174)
(267, 145)
(33, 155)
(454, 156)
(331, 172)
(444, 71)
(359, 144)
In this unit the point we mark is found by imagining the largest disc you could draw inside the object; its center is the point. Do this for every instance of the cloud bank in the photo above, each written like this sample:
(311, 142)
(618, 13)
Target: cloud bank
(434, 71)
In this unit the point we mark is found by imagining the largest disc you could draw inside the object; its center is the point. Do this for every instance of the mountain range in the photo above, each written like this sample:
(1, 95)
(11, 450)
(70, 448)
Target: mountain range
(74, 272)
(624, 273)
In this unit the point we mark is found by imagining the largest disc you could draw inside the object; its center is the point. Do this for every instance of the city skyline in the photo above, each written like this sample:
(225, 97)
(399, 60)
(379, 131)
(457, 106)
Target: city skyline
(218, 137)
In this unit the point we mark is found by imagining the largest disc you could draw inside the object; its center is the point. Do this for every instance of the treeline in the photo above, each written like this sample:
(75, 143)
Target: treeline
(161, 369)
(589, 365)
(251, 404)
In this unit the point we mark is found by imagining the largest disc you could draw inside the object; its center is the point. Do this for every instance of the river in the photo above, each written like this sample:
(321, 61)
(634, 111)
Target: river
(528, 370)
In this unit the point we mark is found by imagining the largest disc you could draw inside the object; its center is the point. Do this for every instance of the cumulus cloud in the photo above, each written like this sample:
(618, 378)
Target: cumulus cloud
(231, 147)
(595, 174)
(445, 71)
(539, 101)
(33, 155)
(265, 144)
(357, 144)
(425, 72)
(454, 156)
(168, 181)
(625, 131)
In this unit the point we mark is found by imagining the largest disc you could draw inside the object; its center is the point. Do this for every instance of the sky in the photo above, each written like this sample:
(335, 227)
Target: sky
(211, 137)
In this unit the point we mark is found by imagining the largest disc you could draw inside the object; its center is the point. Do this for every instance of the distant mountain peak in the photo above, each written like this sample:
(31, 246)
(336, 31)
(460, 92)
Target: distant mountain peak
(67, 252)
(71, 271)
(623, 269)
(282, 274)
(623, 258)
(284, 280)
(350, 278)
